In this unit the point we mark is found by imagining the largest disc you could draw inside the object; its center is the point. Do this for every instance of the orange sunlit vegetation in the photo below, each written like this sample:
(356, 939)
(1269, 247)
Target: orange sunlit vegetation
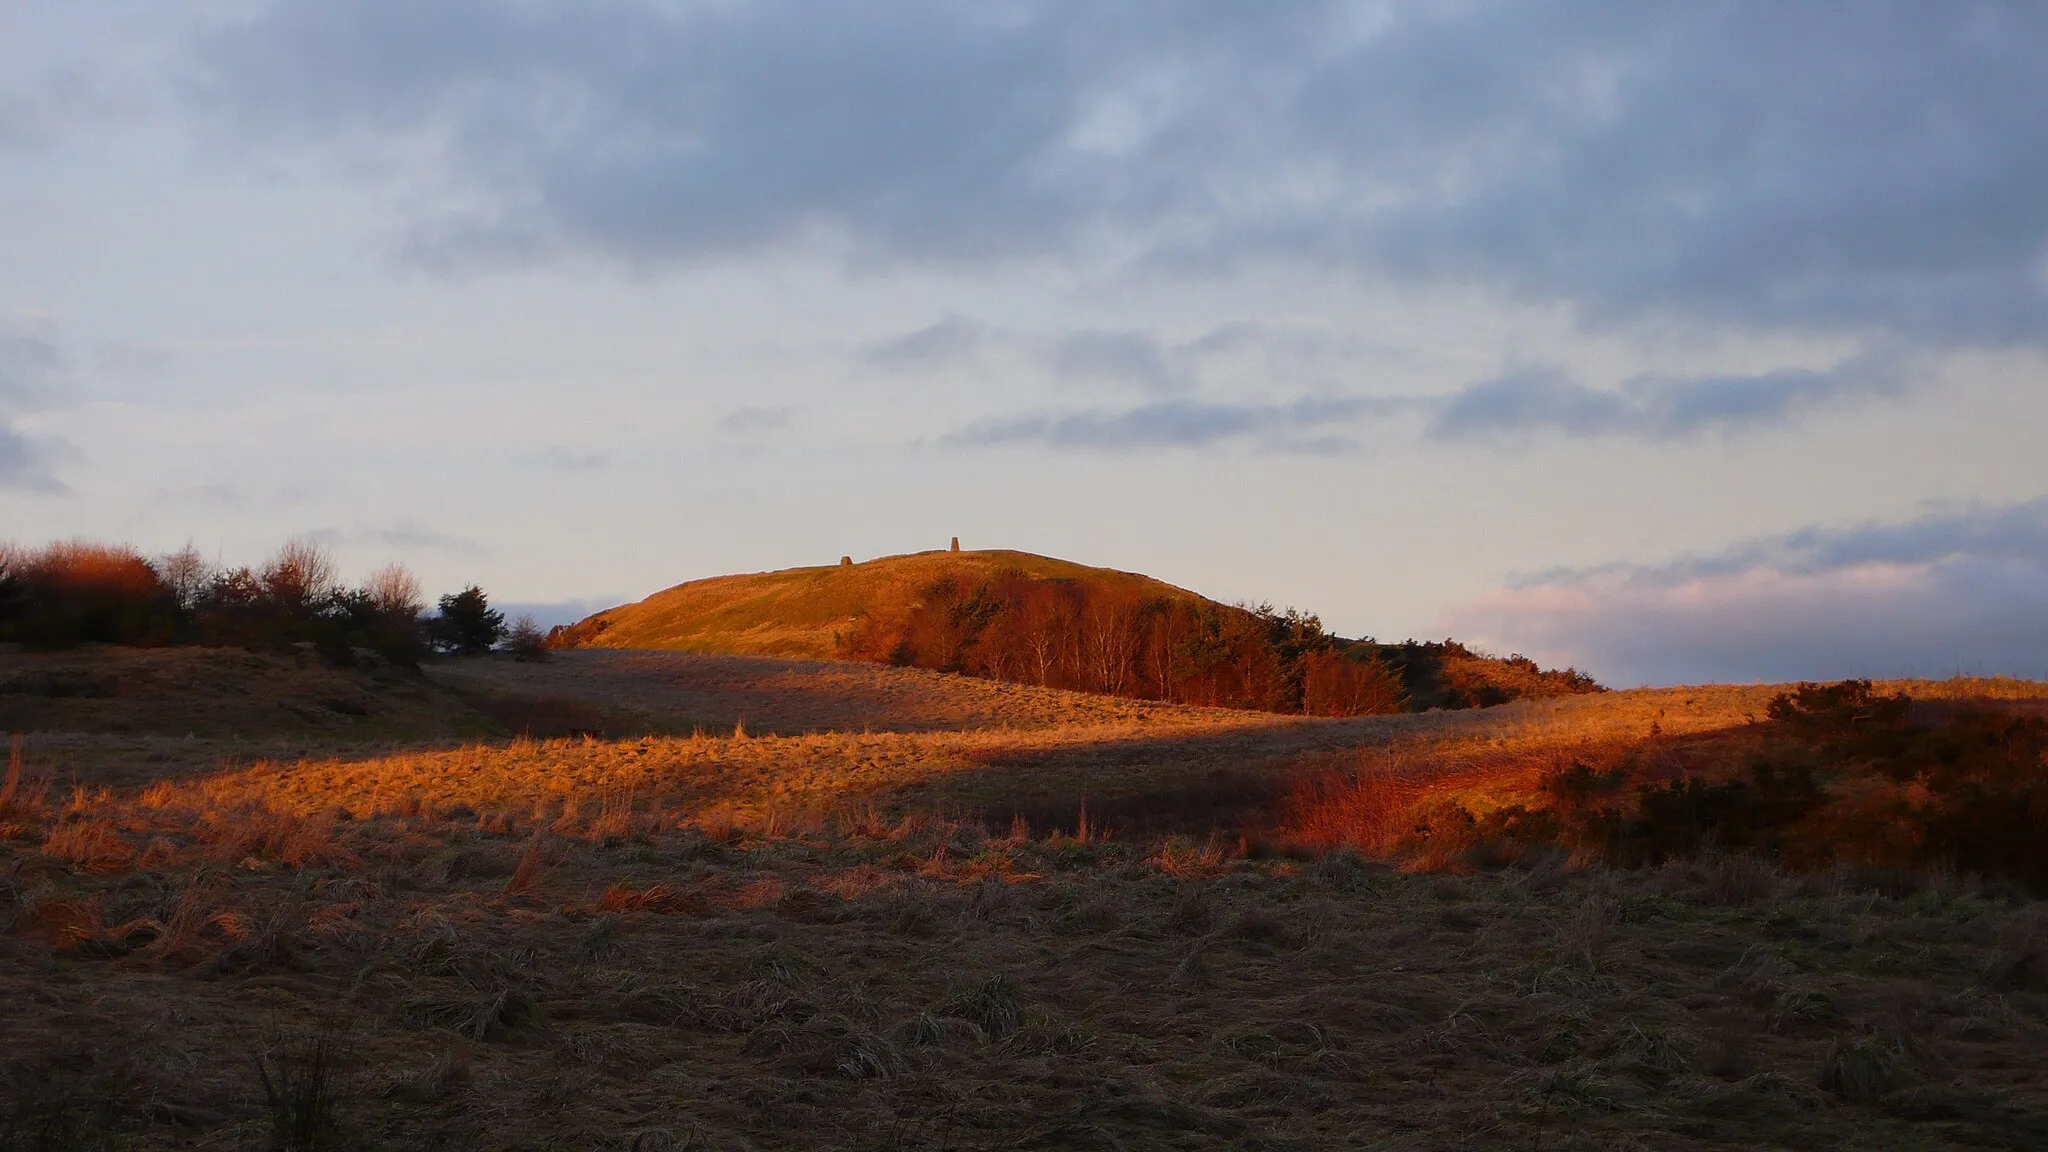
(772, 935)
(1834, 774)
(77, 592)
(1028, 619)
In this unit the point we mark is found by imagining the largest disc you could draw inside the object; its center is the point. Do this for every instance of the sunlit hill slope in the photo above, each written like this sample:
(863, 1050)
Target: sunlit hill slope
(809, 612)
(1015, 616)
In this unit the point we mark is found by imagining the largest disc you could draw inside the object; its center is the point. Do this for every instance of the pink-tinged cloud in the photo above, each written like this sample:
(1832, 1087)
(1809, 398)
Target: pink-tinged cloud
(1960, 592)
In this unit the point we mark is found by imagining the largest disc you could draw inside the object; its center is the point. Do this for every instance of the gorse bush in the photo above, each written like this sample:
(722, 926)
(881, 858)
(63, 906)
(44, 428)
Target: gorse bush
(1837, 775)
(80, 592)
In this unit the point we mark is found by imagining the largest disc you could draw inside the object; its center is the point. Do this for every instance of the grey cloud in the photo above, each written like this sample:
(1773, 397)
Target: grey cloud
(30, 361)
(2009, 533)
(1520, 405)
(569, 460)
(31, 364)
(28, 465)
(403, 534)
(38, 111)
(1844, 167)
(1295, 425)
(1126, 356)
(659, 132)
(943, 343)
(2017, 532)
(1537, 400)
(1119, 355)
(753, 421)
(1958, 591)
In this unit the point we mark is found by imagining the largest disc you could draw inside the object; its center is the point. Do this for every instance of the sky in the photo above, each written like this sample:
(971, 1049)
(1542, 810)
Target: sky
(1673, 341)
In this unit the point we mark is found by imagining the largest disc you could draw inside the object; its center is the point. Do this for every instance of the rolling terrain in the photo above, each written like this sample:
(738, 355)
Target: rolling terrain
(770, 903)
(808, 612)
(1022, 618)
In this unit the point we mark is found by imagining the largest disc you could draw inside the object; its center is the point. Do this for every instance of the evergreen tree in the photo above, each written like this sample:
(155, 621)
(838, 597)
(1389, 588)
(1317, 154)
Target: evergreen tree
(467, 625)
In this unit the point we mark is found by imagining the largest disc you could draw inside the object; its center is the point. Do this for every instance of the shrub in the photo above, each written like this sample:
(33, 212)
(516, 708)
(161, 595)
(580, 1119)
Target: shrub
(467, 624)
(526, 641)
(80, 592)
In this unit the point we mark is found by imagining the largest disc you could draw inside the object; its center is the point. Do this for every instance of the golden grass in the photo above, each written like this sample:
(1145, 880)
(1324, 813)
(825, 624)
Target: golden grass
(798, 611)
(843, 940)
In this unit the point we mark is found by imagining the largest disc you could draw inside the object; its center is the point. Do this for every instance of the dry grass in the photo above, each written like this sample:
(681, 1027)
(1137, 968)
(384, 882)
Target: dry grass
(800, 611)
(688, 691)
(218, 693)
(844, 940)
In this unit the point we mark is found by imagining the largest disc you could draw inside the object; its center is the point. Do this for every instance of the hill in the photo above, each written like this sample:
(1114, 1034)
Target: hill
(1019, 617)
(810, 612)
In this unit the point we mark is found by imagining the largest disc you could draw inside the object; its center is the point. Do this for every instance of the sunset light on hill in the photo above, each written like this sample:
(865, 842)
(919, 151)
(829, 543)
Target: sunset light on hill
(671, 575)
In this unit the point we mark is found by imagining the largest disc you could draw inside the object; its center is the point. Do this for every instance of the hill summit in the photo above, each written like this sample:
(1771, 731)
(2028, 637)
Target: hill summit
(1021, 617)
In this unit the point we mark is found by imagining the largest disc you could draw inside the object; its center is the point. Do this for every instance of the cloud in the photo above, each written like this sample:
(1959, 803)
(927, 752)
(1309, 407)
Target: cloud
(548, 613)
(1520, 405)
(30, 362)
(1827, 167)
(755, 421)
(1537, 400)
(37, 111)
(31, 365)
(1295, 426)
(403, 534)
(943, 343)
(27, 464)
(1957, 591)
(560, 459)
(1122, 355)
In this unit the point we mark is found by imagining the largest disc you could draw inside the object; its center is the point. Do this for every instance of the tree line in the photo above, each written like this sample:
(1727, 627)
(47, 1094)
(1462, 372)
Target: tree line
(79, 592)
(1094, 638)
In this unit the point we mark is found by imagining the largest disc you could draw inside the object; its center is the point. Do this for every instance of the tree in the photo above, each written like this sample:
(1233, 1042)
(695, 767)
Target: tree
(186, 573)
(385, 613)
(301, 579)
(395, 592)
(526, 640)
(467, 625)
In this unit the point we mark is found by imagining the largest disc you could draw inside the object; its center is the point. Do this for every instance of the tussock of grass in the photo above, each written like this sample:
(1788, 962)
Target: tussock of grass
(817, 941)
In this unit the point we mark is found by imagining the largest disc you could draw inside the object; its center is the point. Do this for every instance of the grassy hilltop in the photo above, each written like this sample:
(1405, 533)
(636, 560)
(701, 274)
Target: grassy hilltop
(806, 612)
(1015, 616)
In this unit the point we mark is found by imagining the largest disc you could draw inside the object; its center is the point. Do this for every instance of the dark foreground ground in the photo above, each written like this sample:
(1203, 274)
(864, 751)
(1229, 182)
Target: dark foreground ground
(923, 987)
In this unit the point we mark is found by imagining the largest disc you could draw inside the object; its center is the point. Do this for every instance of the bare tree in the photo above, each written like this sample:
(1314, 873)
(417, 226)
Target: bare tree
(394, 593)
(186, 573)
(301, 576)
(1110, 639)
(526, 640)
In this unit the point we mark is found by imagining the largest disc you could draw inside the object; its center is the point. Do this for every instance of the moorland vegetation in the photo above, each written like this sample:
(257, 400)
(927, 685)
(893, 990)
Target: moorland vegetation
(1113, 927)
(1028, 619)
(79, 592)
(254, 898)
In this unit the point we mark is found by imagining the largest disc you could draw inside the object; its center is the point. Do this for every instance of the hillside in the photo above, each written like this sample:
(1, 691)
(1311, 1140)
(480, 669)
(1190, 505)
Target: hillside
(1027, 619)
(226, 693)
(809, 612)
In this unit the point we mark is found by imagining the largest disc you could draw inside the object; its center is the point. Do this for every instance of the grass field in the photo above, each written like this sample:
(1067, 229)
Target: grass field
(788, 905)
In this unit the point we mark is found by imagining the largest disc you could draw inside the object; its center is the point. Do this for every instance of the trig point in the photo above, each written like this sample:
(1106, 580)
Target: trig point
(846, 561)
(956, 543)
